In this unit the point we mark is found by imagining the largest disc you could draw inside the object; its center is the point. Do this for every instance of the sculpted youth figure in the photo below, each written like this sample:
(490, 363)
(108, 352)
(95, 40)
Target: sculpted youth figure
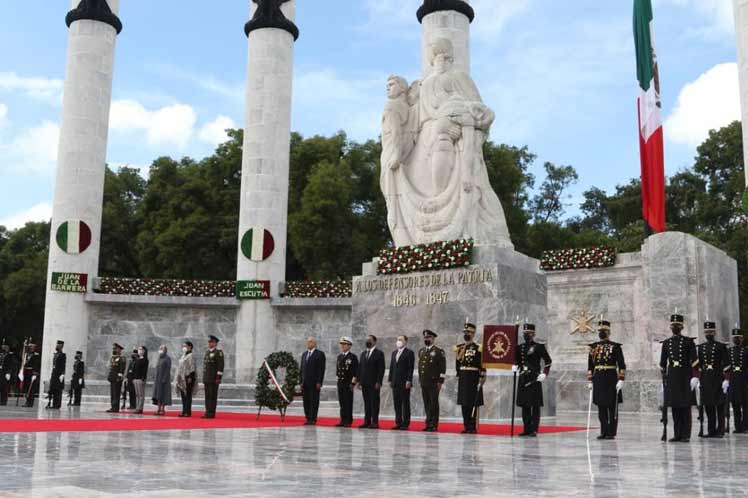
(434, 177)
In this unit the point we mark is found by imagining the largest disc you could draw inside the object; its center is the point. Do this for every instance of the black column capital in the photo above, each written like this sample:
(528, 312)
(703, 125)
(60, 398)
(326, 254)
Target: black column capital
(430, 6)
(269, 15)
(94, 10)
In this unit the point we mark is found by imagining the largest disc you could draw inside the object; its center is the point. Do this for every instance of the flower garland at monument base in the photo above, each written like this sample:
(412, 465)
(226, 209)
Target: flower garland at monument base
(578, 259)
(267, 388)
(319, 289)
(164, 287)
(426, 257)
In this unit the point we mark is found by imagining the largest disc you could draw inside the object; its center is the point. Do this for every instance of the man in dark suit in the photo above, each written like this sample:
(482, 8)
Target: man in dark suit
(402, 364)
(370, 377)
(312, 376)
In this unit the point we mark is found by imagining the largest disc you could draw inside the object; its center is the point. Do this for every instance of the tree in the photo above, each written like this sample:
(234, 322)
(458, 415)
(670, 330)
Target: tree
(121, 222)
(550, 203)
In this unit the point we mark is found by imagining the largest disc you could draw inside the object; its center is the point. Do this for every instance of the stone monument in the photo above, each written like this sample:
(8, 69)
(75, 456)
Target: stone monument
(740, 10)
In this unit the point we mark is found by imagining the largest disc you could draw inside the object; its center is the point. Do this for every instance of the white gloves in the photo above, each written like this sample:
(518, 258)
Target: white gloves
(589, 386)
(541, 377)
(20, 376)
(725, 386)
(619, 385)
(695, 383)
(33, 378)
(7, 377)
(515, 368)
(62, 378)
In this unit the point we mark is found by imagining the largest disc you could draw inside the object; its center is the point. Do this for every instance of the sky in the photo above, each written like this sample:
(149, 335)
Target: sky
(561, 77)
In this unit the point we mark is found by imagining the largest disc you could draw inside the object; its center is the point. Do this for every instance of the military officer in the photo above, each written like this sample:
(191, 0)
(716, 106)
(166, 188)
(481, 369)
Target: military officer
(678, 363)
(432, 370)
(470, 378)
(713, 363)
(606, 372)
(8, 372)
(212, 376)
(530, 354)
(347, 366)
(57, 378)
(117, 369)
(738, 383)
(31, 371)
(78, 381)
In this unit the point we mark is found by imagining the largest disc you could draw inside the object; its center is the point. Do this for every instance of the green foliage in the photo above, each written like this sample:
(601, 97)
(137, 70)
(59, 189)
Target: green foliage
(266, 395)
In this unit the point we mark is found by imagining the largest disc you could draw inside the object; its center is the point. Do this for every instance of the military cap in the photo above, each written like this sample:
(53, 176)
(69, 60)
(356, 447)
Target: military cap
(213, 338)
(346, 340)
(79, 353)
(429, 333)
(528, 327)
(60, 343)
(710, 327)
(470, 326)
(677, 319)
(118, 346)
(603, 325)
(737, 332)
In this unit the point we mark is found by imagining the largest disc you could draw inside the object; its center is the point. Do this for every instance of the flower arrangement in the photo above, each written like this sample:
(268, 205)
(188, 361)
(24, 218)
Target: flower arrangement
(576, 259)
(426, 257)
(319, 289)
(165, 287)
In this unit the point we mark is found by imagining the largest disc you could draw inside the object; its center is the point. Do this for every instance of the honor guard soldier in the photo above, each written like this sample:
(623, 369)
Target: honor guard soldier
(470, 378)
(31, 371)
(606, 372)
(78, 381)
(736, 392)
(713, 366)
(212, 376)
(432, 370)
(117, 369)
(530, 355)
(347, 366)
(57, 378)
(8, 372)
(678, 363)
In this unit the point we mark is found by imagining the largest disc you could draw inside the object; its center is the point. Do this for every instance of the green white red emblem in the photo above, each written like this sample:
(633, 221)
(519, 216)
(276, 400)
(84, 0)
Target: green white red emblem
(257, 244)
(73, 236)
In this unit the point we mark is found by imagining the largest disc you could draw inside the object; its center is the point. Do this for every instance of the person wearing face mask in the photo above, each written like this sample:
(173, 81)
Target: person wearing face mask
(736, 392)
(530, 354)
(606, 372)
(402, 363)
(139, 378)
(312, 376)
(57, 378)
(678, 363)
(186, 378)
(213, 363)
(78, 382)
(470, 374)
(370, 376)
(713, 367)
(432, 370)
(117, 368)
(162, 383)
(347, 367)
(129, 384)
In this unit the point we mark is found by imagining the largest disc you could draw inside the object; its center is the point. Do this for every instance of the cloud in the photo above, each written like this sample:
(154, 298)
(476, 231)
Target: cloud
(3, 114)
(169, 125)
(710, 102)
(44, 89)
(716, 19)
(494, 17)
(33, 151)
(214, 132)
(38, 212)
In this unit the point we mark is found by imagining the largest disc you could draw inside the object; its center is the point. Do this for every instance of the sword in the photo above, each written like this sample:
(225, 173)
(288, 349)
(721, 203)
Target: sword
(589, 415)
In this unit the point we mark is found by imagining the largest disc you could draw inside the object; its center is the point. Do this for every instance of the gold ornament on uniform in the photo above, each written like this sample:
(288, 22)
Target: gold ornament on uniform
(582, 322)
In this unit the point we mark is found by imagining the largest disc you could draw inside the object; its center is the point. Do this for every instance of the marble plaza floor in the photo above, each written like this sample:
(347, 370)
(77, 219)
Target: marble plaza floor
(331, 463)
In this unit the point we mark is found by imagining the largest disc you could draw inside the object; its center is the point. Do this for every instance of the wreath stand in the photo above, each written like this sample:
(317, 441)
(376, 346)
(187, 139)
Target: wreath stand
(282, 412)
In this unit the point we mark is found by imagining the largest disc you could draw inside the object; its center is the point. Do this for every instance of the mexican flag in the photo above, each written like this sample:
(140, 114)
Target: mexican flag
(650, 118)
(257, 244)
(73, 237)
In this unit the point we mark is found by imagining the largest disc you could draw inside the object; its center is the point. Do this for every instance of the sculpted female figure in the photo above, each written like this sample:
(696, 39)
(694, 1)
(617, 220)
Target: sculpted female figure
(434, 177)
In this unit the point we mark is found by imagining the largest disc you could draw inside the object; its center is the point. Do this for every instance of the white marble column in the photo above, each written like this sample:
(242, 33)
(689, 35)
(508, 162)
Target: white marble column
(452, 25)
(264, 193)
(740, 9)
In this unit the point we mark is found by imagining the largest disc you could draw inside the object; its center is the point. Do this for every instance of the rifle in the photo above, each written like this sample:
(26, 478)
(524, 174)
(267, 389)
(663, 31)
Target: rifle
(664, 409)
(23, 362)
(124, 394)
(701, 419)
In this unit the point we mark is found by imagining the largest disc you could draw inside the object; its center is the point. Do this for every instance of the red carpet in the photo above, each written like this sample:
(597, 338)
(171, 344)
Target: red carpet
(227, 420)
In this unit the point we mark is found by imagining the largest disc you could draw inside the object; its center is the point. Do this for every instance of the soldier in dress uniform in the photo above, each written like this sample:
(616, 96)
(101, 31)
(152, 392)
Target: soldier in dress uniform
(736, 392)
(347, 366)
(432, 370)
(470, 378)
(713, 363)
(78, 382)
(606, 372)
(31, 371)
(8, 372)
(117, 369)
(529, 356)
(212, 376)
(57, 378)
(678, 363)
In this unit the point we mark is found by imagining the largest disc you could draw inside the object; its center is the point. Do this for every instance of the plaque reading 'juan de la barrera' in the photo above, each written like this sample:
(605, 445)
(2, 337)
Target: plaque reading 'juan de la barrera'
(69, 282)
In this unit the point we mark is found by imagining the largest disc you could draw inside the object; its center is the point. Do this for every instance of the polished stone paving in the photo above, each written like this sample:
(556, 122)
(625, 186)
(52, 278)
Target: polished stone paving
(325, 462)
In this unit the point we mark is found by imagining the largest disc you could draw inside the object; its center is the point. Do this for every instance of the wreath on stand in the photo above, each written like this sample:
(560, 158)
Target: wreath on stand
(269, 393)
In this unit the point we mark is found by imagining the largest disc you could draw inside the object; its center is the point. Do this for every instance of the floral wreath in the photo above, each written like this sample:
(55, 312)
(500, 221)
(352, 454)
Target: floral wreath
(266, 394)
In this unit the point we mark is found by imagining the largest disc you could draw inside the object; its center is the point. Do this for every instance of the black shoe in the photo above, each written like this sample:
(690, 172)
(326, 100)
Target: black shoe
(673, 440)
(396, 428)
(533, 434)
(602, 436)
(340, 424)
(374, 426)
(403, 427)
(685, 440)
(364, 426)
(610, 437)
(426, 429)
(524, 433)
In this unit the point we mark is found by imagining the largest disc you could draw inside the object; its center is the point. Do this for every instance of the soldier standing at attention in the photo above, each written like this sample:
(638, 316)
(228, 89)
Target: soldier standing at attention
(605, 373)
(470, 375)
(347, 366)
(78, 382)
(678, 363)
(736, 392)
(432, 370)
(117, 368)
(713, 364)
(8, 372)
(57, 379)
(31, 371)
(531, 377)
(212, 375)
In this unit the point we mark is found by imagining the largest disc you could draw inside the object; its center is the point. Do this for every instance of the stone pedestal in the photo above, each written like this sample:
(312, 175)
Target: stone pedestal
(79, 185)
(740, 10)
